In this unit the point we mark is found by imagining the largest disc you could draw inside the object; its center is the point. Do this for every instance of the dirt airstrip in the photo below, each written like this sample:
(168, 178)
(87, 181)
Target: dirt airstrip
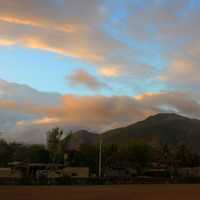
(135, 192)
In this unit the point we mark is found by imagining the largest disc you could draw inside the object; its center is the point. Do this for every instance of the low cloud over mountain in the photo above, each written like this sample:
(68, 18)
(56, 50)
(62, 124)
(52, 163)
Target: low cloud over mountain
(26, 114)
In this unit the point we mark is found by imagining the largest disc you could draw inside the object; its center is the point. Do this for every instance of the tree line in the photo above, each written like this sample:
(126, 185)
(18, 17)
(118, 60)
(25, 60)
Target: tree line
(136, 155)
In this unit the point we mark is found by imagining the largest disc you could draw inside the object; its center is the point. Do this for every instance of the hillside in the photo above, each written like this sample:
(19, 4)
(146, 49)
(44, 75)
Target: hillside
(161, 128)
(82, 137)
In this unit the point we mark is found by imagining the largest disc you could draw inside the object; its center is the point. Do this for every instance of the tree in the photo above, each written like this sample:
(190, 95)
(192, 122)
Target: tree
(185, 157)
(139, 155)
(167, 155)
(4, 152)
(112, 158)
(38, 154)
(66, 142)
(55, 145)
(85, 156)
(20, 152)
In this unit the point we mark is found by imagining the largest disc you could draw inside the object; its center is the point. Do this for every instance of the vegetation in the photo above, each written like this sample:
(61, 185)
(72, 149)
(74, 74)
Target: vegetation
(55, 144)
(136, 155)
(10, 152)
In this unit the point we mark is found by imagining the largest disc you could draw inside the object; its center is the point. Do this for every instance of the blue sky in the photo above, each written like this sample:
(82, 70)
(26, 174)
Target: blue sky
(114, 21)
(41, 70)
(47, 71)
(36, 67)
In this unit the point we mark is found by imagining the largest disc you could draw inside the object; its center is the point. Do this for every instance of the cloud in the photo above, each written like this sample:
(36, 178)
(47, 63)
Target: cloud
(29, 120)
(58, 27)
(42, 121)
(24, 94)
(6, 42)
(68, 34)
(110, 71)
(36, 43)
(83, 78)
(178, 102)
(182, 74)
(29, 22)
(145, 37)
(150, 50)
(101, 112)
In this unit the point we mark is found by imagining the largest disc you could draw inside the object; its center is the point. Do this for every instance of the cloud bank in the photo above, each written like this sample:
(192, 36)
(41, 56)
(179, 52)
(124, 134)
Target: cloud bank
(29, 120)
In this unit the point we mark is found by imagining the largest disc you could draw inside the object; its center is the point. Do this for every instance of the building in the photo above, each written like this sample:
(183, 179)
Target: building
(76, 172)
(189, 172)
(9, 173)
(49, 170)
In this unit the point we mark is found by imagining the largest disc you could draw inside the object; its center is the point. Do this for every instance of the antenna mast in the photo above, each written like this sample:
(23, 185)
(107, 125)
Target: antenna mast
(100, 157)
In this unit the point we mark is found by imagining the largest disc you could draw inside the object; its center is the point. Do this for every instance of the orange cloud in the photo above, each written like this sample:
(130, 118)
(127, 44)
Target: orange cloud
(95, 112)
(7, 42)
(110, 71)
(8, 104)
(36, 43)
(46, 120)
(29, 22)
(63, 30)
(83, 78)
(181, 70)
(101, 112)
(42, 121)
(181, 67)
(145, 95)
(76, 53)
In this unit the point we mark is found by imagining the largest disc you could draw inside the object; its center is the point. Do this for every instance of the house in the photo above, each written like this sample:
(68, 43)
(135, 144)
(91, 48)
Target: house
(9, 173)
(49, 170)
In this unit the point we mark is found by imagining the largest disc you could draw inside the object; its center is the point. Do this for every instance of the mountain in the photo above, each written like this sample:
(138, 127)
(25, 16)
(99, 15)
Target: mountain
(161, 128)
(82, 137)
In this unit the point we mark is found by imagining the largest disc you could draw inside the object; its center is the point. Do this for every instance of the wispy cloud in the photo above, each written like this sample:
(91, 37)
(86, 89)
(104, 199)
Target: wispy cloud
(7, 42)
(28, 22)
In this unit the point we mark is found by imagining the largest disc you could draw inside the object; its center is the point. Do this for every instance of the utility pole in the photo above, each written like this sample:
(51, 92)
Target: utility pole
(100, 157)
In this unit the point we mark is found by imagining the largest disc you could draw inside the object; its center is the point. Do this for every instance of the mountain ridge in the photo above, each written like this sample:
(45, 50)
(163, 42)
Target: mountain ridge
(161, 128)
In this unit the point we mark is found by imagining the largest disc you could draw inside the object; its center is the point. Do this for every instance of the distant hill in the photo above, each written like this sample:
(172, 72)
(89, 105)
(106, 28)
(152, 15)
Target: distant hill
(82, 137)
(161, 128)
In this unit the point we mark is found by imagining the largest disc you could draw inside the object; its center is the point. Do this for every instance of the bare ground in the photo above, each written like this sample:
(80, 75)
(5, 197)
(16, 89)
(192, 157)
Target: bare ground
(135, 192)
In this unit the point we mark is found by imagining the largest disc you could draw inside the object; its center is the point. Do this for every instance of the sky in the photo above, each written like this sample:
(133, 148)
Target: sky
(95, 64)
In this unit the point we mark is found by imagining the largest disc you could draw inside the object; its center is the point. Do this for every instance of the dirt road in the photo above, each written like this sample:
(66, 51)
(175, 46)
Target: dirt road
(135, 192)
